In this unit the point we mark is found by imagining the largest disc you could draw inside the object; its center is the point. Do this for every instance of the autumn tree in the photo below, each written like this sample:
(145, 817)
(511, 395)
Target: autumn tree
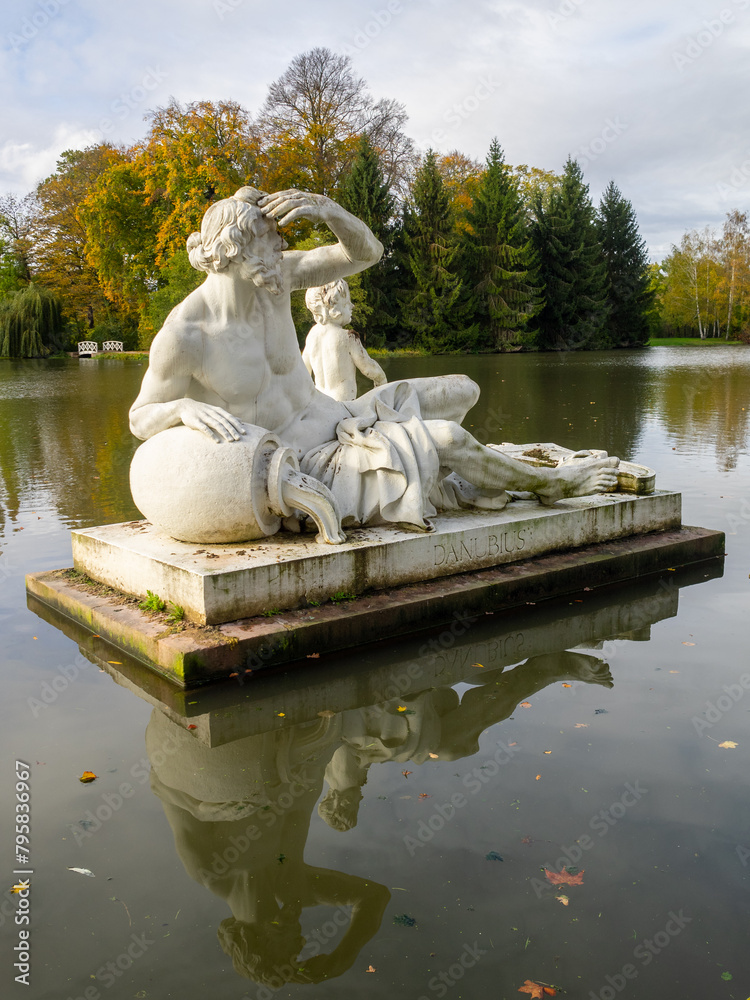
(498, 261)
(691, 275)
(60, 235)
(312, 118)
(461, 175)
(435, 310)
(145, 205)
(17, 217)
(734, 254)
(628, 279)
(572, 268)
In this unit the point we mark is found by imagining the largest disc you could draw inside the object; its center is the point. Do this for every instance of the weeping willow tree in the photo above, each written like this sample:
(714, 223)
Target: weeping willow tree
(30, 323)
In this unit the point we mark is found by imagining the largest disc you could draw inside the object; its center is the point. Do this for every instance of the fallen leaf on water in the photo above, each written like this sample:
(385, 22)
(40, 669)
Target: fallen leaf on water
(406, 773)
(564, 900)
(548, 751)
(480, 665)
(87, 776)
(313, 656)
(116, 662)
(564, 877)
(424, 795)
(581, 725)
(281, 715)
(674, 671)
(537, 777)
(728, 745)
(191, 726)
(688, 644)
(434, 756)
(404, 920)
(525, 704)
(82, 871)
(567, 685)
(326, 714)
(493, 856)
(19, 887)
(402, 708)
(526, 840)
(537, 990)
(371, 968)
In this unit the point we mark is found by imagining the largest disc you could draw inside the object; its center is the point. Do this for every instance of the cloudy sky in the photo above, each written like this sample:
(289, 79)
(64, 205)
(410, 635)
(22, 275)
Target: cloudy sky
(654, 94)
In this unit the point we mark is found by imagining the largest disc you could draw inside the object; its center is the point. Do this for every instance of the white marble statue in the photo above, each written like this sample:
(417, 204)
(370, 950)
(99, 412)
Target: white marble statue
(332, 353)
(260, 443)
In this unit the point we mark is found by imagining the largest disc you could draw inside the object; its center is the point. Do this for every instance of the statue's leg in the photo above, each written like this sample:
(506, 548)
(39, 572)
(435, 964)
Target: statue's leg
(490, 469)
(446, 397)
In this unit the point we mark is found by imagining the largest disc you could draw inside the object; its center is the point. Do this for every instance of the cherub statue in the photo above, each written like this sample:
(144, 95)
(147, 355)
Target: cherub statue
(332, 353)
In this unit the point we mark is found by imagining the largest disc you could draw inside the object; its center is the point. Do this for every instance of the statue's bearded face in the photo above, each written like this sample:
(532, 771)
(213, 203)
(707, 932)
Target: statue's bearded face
(261, 262)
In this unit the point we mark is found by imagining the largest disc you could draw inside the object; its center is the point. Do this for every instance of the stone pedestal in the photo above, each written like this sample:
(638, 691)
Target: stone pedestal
(221, 583)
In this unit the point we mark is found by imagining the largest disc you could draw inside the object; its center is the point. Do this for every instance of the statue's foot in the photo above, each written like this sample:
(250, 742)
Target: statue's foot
(579, 477)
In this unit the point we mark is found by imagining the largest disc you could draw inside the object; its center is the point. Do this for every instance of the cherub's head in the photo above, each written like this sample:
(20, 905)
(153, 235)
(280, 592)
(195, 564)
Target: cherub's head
(266, 953)
(330, 303)
(235, 231)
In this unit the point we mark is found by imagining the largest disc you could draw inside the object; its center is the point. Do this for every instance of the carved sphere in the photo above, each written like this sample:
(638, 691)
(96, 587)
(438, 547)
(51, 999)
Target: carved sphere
(196, 490)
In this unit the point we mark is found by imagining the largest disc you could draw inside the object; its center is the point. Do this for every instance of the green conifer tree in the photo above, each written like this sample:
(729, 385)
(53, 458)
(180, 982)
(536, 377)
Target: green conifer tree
(498, 261)
(365, 193)
(630, 293)
(572, 266)
(435, 310)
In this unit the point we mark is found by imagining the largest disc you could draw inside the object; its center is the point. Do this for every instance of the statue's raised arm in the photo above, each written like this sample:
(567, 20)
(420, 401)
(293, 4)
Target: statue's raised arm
(356, 249)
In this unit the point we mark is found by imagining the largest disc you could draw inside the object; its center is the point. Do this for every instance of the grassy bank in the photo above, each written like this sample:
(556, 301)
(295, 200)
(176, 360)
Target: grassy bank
(692, 342)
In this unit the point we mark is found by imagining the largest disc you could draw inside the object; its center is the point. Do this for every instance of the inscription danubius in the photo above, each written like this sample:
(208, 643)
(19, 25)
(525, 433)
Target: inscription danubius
(479, 547)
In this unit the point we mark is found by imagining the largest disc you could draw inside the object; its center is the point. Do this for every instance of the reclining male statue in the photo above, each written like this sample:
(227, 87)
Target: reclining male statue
(227, 365)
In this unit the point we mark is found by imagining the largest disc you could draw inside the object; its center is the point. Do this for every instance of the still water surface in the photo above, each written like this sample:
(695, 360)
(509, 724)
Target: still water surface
(404, 829)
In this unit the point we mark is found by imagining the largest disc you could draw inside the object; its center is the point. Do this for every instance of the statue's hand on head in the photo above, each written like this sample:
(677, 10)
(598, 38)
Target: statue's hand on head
(290, 205)
(218, 424)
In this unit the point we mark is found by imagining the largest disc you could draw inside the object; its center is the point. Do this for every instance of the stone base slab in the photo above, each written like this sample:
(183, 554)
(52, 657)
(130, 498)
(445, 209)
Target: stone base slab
(221, 583)
(196, 655)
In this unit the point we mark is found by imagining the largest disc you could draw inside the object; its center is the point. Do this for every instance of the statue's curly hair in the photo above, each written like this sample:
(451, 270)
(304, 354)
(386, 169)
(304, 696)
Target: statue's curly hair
(226, 229)
(320, 299)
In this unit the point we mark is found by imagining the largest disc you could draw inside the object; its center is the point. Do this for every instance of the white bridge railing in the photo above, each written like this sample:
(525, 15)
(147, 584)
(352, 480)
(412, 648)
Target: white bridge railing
(88, 347)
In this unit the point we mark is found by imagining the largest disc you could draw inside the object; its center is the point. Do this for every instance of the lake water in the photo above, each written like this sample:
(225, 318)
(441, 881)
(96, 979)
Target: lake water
(376, 824)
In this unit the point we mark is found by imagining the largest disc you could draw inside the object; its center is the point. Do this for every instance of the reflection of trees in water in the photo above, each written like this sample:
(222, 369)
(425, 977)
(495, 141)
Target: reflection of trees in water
(241, 813)
(709, 406)
(64, 437)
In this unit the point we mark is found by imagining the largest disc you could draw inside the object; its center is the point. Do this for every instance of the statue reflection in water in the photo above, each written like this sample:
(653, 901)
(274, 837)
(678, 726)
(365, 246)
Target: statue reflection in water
(241, 813)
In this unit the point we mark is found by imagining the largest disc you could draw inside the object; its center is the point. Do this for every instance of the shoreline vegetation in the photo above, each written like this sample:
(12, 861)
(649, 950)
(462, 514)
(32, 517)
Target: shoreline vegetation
(412, 352)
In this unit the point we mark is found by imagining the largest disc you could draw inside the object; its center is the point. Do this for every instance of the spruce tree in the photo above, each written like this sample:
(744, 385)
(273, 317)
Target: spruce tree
(626, 258)
(498, 261)
(365, 193)
(572, 266)
(435, 311)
